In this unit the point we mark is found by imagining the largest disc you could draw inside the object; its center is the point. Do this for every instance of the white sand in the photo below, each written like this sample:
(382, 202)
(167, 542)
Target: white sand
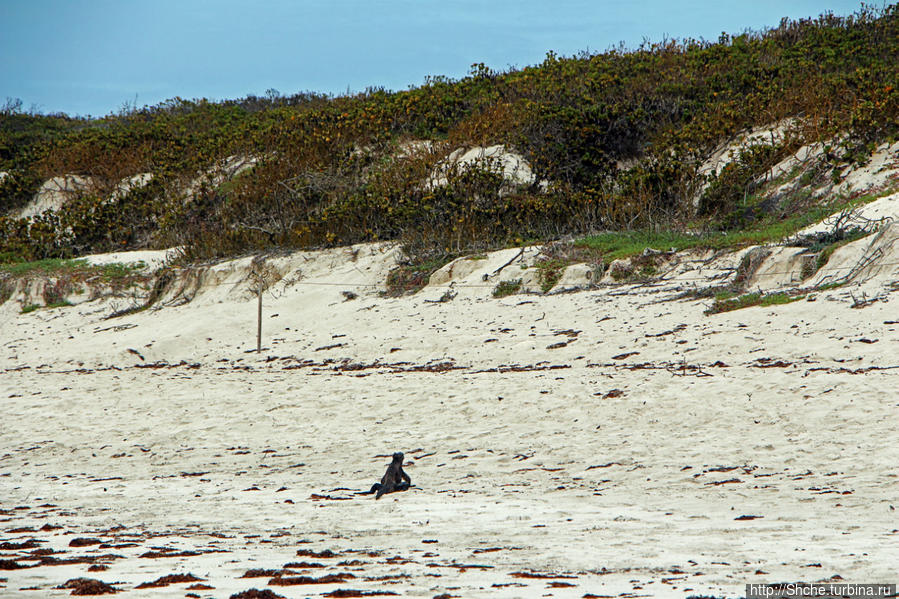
(55, 192)
(514, 168)
(614, 474)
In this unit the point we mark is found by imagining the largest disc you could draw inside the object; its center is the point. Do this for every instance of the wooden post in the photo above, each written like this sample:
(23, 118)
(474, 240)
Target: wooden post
(259, 319)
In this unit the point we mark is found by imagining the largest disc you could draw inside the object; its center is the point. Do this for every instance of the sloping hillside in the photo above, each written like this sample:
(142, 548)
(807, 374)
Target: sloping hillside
(619, 139)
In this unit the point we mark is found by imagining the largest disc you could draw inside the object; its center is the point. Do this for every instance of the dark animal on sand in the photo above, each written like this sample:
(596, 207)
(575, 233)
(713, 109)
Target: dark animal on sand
(395, 479)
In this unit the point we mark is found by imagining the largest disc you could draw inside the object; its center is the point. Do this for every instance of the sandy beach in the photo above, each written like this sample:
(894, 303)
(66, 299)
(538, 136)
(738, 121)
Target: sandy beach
(609, 442)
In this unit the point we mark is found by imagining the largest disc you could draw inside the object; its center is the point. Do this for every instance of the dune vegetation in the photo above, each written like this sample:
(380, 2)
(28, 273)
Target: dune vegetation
(615, 141)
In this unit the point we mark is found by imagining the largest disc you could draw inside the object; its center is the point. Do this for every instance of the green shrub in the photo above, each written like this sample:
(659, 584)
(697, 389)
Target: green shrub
(505, 288)
(727, 304)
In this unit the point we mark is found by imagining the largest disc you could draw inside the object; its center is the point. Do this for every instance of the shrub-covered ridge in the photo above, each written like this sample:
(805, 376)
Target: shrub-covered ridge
(615, 140)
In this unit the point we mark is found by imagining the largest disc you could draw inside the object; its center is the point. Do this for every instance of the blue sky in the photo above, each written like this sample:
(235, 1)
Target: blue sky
(94, 56)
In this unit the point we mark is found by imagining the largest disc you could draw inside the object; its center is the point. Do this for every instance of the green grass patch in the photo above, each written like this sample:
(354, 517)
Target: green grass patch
(618, 245)
(33, 307)
(59, 304)
(59, 265)
(776, 299)
(728, 304)
(828, 286)
(48, 266)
